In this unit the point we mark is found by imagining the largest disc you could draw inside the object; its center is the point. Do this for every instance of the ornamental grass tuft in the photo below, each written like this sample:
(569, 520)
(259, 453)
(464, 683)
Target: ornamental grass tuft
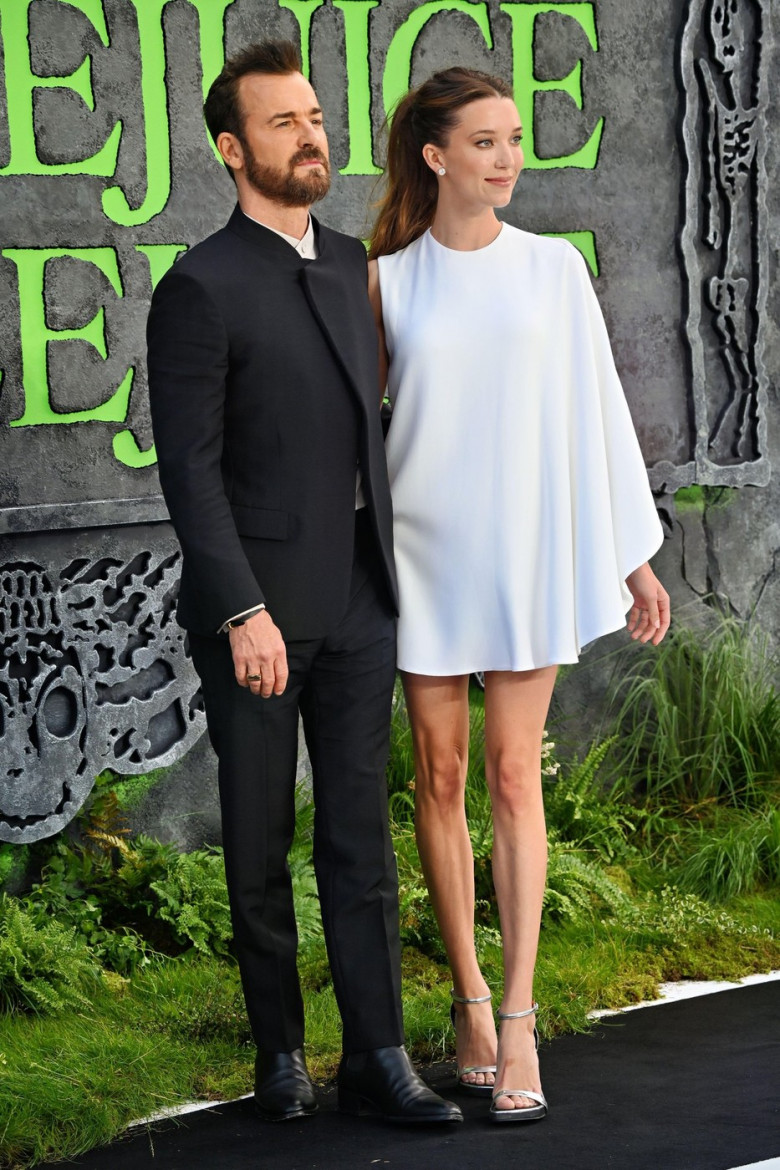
(699, 720)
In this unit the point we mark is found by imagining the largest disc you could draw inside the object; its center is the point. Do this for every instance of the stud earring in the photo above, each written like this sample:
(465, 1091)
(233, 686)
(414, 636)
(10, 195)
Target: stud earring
(442, 171)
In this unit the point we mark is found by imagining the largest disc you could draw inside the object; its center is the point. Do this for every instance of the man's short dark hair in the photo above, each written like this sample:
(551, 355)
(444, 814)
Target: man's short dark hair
(222, 108)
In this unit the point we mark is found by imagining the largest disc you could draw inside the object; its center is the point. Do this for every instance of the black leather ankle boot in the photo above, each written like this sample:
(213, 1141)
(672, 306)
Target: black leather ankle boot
(282, 1086)
(384, 1079)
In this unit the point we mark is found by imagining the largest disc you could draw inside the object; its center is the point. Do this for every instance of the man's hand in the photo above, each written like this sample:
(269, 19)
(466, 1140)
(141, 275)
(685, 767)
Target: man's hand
(648, 620)
(259, 655)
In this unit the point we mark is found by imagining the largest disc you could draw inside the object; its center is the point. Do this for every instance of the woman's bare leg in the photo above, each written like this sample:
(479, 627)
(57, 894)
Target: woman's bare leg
(516, 705)
(439, 715)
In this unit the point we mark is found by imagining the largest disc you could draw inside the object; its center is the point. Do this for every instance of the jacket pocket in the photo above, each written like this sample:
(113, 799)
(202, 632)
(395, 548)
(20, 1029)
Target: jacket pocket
(262, 523)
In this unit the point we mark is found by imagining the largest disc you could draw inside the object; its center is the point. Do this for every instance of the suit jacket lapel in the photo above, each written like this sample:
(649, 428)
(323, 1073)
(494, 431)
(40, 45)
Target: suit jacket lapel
(339, 304)
(342, 310)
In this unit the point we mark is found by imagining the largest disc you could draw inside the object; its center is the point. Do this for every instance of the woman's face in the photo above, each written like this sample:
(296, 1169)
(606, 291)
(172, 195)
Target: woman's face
(483, 155)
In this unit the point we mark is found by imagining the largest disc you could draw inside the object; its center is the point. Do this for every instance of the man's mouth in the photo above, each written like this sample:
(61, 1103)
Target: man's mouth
(309, 160)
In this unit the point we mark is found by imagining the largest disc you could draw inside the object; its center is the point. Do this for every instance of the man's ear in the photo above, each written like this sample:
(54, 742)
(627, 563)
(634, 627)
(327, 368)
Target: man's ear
(231, 150)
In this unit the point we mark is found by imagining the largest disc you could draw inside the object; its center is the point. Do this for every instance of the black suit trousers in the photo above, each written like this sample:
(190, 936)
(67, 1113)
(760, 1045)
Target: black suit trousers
(342, 685)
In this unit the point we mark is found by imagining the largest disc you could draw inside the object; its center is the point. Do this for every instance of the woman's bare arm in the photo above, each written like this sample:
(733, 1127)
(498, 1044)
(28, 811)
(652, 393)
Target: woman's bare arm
(375, 296)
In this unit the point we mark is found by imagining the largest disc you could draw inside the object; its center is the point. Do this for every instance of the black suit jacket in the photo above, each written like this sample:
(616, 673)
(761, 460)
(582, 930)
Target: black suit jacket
(264, 395)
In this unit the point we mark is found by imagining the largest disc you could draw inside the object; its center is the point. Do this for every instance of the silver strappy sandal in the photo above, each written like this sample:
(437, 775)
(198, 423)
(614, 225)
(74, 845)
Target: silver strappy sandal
(470, 1086)
(521, 1112)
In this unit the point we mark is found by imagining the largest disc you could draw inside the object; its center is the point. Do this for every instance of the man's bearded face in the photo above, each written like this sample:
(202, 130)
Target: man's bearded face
(291, 186)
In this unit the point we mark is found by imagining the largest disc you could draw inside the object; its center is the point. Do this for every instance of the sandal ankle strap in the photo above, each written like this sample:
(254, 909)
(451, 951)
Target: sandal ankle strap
(465, 999)
(519, 1015)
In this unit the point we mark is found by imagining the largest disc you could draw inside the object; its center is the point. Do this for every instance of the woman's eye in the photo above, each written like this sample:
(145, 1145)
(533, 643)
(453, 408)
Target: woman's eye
(517, 139)
(485, 142)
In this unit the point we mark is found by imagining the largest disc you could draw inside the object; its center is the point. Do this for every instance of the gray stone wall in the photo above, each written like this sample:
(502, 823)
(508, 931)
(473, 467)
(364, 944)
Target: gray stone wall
(649, 138)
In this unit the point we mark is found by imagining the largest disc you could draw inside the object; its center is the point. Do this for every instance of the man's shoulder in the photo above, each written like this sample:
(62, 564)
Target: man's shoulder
(341, 243)
(212, 268)
(203, 257)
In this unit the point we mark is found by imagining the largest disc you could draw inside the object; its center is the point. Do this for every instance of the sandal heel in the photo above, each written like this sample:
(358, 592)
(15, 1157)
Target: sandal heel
(470, 1086)
(523, 1113)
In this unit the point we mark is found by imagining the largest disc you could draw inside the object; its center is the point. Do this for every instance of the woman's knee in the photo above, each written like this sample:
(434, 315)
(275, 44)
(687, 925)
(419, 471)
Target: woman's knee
(441, 784)
(514, 783)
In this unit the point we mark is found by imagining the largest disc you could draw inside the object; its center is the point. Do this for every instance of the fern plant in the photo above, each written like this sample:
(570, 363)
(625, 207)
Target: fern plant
(581, 812)
(306, 898)
(192, 898)
(577, 888)
(44, 966)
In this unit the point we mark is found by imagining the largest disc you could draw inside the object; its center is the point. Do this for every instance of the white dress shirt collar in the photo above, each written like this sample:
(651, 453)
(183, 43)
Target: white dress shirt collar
(305, 247)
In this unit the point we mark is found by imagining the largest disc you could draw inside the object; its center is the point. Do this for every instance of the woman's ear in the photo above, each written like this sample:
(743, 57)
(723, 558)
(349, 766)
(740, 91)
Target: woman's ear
(433, 156)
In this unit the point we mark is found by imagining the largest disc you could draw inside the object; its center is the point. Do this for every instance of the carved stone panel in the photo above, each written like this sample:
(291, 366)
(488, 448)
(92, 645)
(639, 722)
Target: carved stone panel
(725, 242)
(94, 674)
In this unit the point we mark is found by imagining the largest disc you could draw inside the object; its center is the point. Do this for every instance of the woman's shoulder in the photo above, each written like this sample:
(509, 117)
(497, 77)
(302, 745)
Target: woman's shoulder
(554, 257)
(402, 255)
(550, 247)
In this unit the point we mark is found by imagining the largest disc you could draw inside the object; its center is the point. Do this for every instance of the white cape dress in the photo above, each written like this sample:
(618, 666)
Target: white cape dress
(520, 497)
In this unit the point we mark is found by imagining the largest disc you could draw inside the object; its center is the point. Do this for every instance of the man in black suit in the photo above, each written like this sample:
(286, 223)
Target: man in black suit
(264, 392)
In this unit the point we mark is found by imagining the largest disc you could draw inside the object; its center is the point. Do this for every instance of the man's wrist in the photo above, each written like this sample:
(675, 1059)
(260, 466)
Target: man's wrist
(240, 618)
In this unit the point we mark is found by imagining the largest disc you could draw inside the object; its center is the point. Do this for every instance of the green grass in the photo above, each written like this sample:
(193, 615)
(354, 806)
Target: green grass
(731, 854)
(176, 1031)
(121, 998)
(73, 1081)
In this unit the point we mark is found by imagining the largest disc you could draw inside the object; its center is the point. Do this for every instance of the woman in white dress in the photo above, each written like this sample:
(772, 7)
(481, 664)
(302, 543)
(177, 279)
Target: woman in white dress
(523, 522)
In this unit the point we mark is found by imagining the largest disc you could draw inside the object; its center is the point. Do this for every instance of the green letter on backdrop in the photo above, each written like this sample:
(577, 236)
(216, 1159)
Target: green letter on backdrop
(361, 155)
(154, 101)
(20, 86)
(211, 27)
(36, 336)
(523, 17)
(303, 10)
(125, 444)
(398, 65)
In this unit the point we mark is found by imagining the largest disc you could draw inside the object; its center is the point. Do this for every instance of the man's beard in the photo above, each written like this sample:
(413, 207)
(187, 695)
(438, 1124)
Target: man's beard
(289, 188)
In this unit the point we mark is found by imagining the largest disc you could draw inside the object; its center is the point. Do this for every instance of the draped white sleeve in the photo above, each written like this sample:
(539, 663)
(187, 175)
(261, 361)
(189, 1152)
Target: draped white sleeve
(614, 515)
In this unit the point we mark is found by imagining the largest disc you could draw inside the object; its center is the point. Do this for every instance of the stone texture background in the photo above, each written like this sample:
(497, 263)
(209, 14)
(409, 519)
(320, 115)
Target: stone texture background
(722, 545)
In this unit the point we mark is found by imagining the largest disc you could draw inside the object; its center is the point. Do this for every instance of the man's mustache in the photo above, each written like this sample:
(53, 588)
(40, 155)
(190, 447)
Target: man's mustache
(308, 152)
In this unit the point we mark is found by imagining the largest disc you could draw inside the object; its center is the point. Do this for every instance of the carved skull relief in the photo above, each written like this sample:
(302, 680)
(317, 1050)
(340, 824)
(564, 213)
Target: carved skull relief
(43, 705)
(93, 674)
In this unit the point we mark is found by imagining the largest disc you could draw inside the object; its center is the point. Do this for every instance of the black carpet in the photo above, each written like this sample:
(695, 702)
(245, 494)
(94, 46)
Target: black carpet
(692, 1085)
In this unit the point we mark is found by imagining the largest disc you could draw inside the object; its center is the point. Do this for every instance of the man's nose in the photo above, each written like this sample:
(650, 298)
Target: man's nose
(309, 134)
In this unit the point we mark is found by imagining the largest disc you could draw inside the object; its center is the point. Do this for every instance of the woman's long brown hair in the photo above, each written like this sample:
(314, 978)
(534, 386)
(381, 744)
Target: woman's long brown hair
(427, 114)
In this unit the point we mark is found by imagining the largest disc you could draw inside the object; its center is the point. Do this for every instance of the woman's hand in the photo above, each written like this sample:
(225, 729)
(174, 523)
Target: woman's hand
(648, 619)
